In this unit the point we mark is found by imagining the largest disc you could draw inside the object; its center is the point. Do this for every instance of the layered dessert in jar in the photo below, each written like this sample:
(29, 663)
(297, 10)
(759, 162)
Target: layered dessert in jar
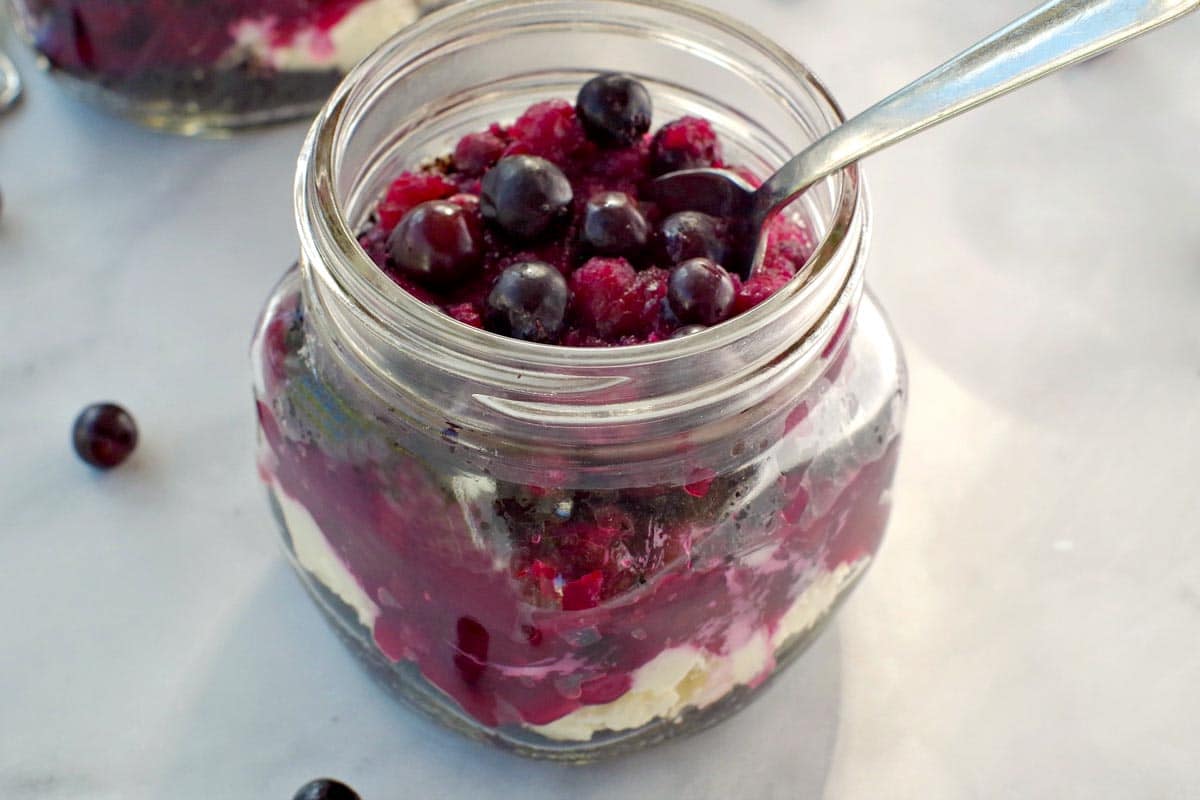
(619, 525)
(206, 64)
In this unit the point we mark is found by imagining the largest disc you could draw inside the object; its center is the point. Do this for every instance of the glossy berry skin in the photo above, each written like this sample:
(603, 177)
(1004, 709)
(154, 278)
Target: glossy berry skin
(524, 195)
(613, 225)
(326, 789)
(701, 292)
(528, 301)
(615, 110)
(691, 234)
(104, 435)
(688, 330)
(437, 243)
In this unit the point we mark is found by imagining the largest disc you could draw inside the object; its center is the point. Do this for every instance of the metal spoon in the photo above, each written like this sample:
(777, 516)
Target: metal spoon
(1056, 35)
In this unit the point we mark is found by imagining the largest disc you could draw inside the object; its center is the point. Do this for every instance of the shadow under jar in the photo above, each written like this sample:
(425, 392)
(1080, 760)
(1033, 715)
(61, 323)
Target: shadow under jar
(573, 552)
(195, 66)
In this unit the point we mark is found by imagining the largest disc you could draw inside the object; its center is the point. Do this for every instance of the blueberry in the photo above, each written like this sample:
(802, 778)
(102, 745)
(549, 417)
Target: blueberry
(326, 789)
(613, 225)
(688, 330)
(528, 301)
(691, 234)
(525, 195)
(436, 243)
(700, 291)
(615, 110)
(104, 435)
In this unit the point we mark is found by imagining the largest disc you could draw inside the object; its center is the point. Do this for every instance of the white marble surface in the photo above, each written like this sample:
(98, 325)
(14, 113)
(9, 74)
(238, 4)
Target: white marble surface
(1032, 629)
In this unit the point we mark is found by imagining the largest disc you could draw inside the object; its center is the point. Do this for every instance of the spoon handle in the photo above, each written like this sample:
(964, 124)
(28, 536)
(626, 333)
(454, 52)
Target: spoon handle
(1056, 35)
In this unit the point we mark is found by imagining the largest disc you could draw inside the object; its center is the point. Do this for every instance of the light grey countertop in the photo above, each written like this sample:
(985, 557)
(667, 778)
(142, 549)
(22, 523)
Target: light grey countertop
(1031, 629)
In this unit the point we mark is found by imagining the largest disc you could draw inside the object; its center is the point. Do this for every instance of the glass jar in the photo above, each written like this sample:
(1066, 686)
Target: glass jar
(208, 65)
(573, 551)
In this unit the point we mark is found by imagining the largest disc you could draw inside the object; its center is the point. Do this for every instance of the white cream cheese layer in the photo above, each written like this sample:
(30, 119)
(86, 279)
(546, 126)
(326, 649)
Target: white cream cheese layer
(318, 557)
(340, 47)
(688, 677)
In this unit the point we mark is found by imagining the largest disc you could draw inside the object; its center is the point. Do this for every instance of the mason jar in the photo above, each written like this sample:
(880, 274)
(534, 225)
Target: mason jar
(572, 552)
(208, 65)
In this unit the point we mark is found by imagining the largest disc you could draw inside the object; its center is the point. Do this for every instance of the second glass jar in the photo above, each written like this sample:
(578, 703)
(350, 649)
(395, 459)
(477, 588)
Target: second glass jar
(573, 551)
(208, 65)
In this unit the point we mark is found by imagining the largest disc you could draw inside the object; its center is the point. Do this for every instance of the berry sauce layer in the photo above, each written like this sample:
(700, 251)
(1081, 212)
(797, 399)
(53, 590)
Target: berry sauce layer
(545, 229)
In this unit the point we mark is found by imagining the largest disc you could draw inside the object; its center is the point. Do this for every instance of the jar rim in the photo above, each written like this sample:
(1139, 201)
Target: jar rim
(320, 213)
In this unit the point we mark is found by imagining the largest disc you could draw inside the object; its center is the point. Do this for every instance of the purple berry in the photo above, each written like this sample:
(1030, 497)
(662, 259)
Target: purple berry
(613, 225)
(437, 243)
(528, 301)
(615, 110)
(326, 789)
(525, 195)
(104, 435)
(701, 292)
(691, 234)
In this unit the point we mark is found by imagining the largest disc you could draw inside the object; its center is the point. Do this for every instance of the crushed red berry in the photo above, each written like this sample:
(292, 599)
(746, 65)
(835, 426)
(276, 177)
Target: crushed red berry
(687, 143)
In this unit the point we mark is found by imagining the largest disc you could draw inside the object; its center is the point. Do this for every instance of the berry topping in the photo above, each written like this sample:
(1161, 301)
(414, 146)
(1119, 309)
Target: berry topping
(688, 330)
(686, 143)
(615, 110)
(326, 789)
(475, 152)
(528, 302)
(104, 435)
(613, 225)
(407, 192)
(701, 292)
(525, 195)
(437, 243)
(556, 189)
(691, 234)
(551, 130)
(603, 296)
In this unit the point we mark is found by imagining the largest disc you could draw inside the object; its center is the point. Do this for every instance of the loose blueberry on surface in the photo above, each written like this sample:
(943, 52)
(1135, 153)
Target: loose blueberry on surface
(688, 330)
(528, 302)
(613, 225)
(691, 234)
(524, 195)
(104, 435)
(615, 109)
(326, 789)
(437, 243)
(701, 292)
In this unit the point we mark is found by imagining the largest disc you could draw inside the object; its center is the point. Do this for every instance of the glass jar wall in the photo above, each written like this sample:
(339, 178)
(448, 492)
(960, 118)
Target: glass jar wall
(208, 65)
(573, 551)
